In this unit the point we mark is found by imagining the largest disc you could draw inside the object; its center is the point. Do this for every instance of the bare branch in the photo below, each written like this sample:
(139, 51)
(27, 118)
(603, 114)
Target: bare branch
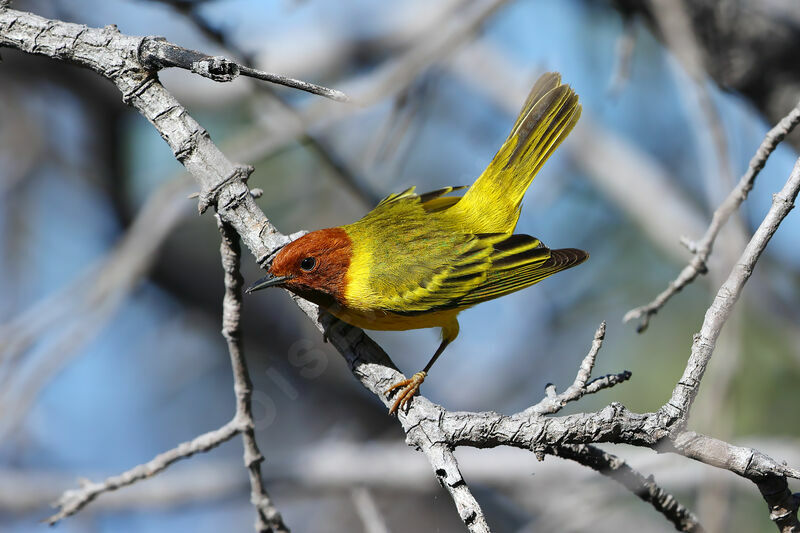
(702, 248)
(428, 427)
(703, 346)
(157, 53)
(444, 464)
(74, 500)
(269, 519)
(643, 487)
(553, 402)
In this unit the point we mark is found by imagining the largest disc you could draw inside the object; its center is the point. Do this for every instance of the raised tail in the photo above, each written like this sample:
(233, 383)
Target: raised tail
(492, 203)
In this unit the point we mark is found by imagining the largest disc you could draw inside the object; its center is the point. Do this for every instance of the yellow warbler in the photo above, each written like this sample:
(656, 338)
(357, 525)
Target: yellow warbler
(417, 261)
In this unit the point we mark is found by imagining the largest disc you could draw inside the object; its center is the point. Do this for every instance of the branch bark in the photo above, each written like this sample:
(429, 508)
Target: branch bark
(428, 427)
(644, 488)
(268, 518)
(156, 54)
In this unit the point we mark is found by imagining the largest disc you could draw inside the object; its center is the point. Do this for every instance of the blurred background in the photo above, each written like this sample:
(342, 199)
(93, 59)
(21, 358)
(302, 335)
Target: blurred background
(110, 283)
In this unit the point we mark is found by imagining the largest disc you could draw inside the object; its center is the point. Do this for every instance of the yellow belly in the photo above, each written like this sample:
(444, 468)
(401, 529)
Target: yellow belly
(388, 321)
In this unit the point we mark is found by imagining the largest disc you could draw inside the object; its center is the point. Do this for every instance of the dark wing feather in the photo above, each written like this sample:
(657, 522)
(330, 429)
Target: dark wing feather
(503, 279)
(494, 265)
(426, 199)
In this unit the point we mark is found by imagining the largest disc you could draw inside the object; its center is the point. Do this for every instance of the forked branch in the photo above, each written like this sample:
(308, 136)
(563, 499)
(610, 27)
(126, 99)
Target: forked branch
(429, 427)
(268, 519)
(702, 248)
(554, 402)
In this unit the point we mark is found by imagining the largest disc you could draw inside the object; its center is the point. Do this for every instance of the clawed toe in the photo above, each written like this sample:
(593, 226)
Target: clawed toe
(408, 388)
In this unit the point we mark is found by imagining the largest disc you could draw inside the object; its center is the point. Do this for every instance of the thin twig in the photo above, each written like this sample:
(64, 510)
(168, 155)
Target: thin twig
(158, 54)
(554, 402)
(74, 500)
(333, 94)
(643, 487)
(268, 518)
(702, 248)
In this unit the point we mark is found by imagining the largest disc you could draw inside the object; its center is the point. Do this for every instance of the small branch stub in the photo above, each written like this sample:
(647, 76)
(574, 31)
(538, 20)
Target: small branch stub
(216, 68)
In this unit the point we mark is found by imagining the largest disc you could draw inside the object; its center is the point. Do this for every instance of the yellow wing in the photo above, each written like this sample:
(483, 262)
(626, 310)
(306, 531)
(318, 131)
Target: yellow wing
(489, 266)
(466, 270)
(411, 257)
(401, 247)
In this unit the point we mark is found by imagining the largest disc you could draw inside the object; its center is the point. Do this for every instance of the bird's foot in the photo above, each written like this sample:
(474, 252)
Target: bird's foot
(408, 388)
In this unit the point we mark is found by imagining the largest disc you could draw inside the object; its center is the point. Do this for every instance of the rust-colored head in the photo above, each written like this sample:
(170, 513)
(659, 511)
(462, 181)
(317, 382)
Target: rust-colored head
(314, 267)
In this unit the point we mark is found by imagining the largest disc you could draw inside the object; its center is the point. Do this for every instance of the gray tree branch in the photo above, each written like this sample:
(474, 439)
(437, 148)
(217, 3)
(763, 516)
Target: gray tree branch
(428, 427)
(268, 518)
(644, 488)
(73, 500)
(554, 402)
(702, 248)
(157, 53)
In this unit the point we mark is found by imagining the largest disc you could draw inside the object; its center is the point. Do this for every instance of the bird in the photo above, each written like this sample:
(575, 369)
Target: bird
(418, 260)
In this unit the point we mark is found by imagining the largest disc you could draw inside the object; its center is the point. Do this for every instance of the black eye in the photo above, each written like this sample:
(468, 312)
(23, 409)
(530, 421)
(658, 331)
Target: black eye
(308, 263)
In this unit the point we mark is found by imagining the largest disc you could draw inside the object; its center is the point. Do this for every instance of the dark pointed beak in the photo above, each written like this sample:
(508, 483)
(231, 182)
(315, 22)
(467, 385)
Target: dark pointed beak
(267, 281)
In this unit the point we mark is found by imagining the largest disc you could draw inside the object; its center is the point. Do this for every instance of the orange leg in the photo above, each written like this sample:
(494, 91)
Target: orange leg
(410, 387)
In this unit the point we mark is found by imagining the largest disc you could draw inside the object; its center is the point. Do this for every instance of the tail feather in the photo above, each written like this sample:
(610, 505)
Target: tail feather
(550, 112)
(546, 82)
